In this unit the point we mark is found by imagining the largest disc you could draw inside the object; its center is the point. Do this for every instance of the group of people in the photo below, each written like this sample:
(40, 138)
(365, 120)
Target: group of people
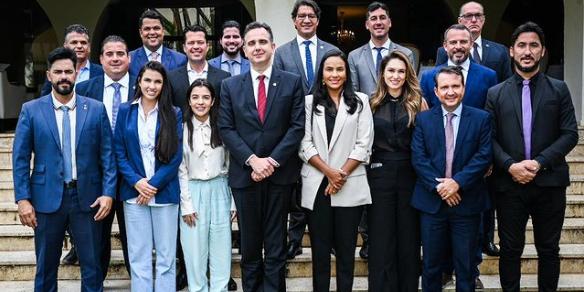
(177, 147)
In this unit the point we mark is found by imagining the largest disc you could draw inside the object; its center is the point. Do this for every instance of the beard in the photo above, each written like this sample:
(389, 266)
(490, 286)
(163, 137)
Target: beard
(529, 69)
(63, 91)
(457, 61)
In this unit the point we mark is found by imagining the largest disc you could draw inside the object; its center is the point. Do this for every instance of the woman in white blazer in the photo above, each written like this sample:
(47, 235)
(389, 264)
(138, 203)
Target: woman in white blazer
(336, 146)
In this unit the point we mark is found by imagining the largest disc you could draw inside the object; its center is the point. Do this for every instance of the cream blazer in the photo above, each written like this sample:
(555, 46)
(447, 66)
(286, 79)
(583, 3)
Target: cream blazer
(352, 138)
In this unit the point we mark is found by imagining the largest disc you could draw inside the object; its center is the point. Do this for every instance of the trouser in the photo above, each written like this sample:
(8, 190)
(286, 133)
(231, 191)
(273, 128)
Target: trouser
(106, 247)
(297, 223)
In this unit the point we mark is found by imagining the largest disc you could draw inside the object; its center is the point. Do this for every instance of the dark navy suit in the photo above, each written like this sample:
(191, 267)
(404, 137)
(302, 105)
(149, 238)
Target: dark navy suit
(171, 59)
(441, 224)
(179, 81)
(95, 70)
(58, 208)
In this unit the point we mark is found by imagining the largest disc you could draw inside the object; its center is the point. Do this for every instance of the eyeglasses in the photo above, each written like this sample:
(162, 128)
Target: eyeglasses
(303, 16)
(478, 16)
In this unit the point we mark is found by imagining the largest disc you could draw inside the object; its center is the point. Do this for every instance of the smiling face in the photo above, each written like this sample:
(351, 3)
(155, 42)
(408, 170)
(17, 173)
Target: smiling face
(258, 47)
(62, 76)
(151, 33)
(334, 73)
(449, 89)
(306, 21)
(457, 44)
(196, 46)
(79, 43)
(201, 102)
(115, 59)
(231, 41)
(378, 24)
(151, 84)
(527, 52)
(394, 75)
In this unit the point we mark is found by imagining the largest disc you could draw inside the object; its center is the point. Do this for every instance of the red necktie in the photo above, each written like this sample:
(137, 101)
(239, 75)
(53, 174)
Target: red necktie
(262, 98)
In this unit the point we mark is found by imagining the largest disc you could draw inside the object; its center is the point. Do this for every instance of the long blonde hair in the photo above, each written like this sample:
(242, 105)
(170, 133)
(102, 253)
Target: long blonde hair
(413, 101)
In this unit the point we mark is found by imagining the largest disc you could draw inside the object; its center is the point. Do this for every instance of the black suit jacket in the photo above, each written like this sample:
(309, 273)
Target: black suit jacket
(278, 137)
(554, 129)
(179, 82)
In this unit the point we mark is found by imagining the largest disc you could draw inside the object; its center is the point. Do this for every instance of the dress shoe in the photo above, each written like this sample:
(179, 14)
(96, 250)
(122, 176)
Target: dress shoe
(231, 286)
(479, 284)
(181, 279)
(294, 249)
(71, 258)
(447, 280)
(491, 249)
(333, 252)
(364, 251)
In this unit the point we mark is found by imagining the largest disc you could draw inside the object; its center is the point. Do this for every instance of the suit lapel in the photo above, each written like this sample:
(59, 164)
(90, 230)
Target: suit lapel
(320, 121)
(339, 122)
(133, 129)
(537, 97)
(247, 87)
(48, 111)
(366, 54)
(131, 88)
(516, 100)
(184, 78)
(486, 51)
(99, 88)
(462, 129)
(440, 137)
(469, 82)
(274, 81)
(82, 109)
(320, 51)
(298, 60)
(166, 58)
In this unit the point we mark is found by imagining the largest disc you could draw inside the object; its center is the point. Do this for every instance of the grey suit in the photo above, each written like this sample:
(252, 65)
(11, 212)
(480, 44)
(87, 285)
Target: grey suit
(287, 58)
(362, 66)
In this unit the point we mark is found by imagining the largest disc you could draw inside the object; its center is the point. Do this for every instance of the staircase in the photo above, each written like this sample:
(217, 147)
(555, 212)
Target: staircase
(17, 260)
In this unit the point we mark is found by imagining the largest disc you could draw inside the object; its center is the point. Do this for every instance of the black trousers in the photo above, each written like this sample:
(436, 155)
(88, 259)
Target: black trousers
(263, 210)
(394, 228)
(332, 227)
(297, 223)
(106, 247)
(546, 206)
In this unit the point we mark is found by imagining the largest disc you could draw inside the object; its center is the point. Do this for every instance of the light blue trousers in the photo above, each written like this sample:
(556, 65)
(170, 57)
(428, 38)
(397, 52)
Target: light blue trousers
(149, 228)
(209, 241)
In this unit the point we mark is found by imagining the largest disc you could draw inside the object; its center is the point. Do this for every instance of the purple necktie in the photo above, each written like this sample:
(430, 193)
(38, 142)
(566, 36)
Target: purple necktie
(449, 144)
(526, 113)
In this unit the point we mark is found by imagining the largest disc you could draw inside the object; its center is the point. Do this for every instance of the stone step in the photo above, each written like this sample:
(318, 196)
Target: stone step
(6, 140)
(20, 265)
(568, 282)
(576, 164)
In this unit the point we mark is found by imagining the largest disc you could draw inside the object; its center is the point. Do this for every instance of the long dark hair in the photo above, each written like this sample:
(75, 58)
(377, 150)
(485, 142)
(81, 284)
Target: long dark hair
(167, 141)
(320, 92)
(188, 114)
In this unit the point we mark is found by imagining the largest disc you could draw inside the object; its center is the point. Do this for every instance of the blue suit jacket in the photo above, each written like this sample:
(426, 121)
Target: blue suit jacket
(476, 86)
(95, 70)
(216, 62)
(278, 137)
(36, 132)
(129, 159)
(472, 157)
(495, 56)
(93, 88)
(171, 59)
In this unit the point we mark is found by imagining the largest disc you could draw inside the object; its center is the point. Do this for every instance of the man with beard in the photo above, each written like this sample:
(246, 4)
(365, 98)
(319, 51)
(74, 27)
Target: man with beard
(73, 177)
(231, 60)
(152, 35)
(77, 39)
(534, 128)
(478, 79)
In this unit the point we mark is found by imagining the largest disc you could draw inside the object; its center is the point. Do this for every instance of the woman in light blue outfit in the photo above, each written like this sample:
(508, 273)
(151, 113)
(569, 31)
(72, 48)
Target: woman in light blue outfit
(148, 140)
(205, 229)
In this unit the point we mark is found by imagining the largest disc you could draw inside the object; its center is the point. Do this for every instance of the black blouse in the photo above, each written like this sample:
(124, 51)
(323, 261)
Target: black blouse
(330, 115)
(392, 133)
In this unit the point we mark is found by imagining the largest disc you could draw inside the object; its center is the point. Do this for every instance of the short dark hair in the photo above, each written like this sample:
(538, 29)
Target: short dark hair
(149, 13)
(194, 28)
(113, 39)
(61, 53)
(376, 5)
(257, 24)
(454, 70)
(308, 3)
(78, 28)
(528, 27)
(457, 26)
(230, 23)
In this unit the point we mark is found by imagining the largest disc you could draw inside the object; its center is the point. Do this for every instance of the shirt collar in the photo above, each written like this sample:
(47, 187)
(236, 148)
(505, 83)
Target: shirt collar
(86, 67)
(225, 58)
(148, 52)
(385, 45)
(205, 69)
(456, 112)
(300, 40)
(57, 104)
(533, 80)
(198, 123)
(140, 108)
(255, 74)
(479, 42)
(465, 65)
(124, 81)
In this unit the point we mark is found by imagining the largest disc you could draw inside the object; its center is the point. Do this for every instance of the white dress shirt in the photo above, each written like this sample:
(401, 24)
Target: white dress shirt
(72, 124)
(194, 75)
(479, 42)
(201, 163)
(465, 66)
(149, 52)
(455, 120)
(256, 81)
(384, 52)
(302, 51)
(108, 92)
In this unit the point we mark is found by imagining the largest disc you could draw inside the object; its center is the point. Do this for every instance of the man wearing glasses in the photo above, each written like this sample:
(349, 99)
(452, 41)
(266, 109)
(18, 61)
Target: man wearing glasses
(487, 53)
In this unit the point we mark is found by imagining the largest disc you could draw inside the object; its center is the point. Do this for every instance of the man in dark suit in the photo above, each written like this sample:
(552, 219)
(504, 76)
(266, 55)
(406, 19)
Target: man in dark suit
(261, 123)
(231, 59)
(451, 152)
(77, 39)
(534, 129)
(487, 53)
(196, 48)
(73, 178)
(301, 56)
(115, 87)
(152, 35)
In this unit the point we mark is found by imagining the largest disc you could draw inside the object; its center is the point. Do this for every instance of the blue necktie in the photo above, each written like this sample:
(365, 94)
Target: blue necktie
(379, 57)
(116, 102)
(309, 69)
(66, 145)
(231, 67)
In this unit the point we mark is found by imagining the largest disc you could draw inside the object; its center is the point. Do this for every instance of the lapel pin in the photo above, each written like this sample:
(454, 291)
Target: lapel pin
(84, 107)
(274, 84)
(321, 47)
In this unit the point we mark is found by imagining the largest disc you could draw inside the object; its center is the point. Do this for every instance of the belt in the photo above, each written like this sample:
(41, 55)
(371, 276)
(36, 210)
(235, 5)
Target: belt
(70, 185)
